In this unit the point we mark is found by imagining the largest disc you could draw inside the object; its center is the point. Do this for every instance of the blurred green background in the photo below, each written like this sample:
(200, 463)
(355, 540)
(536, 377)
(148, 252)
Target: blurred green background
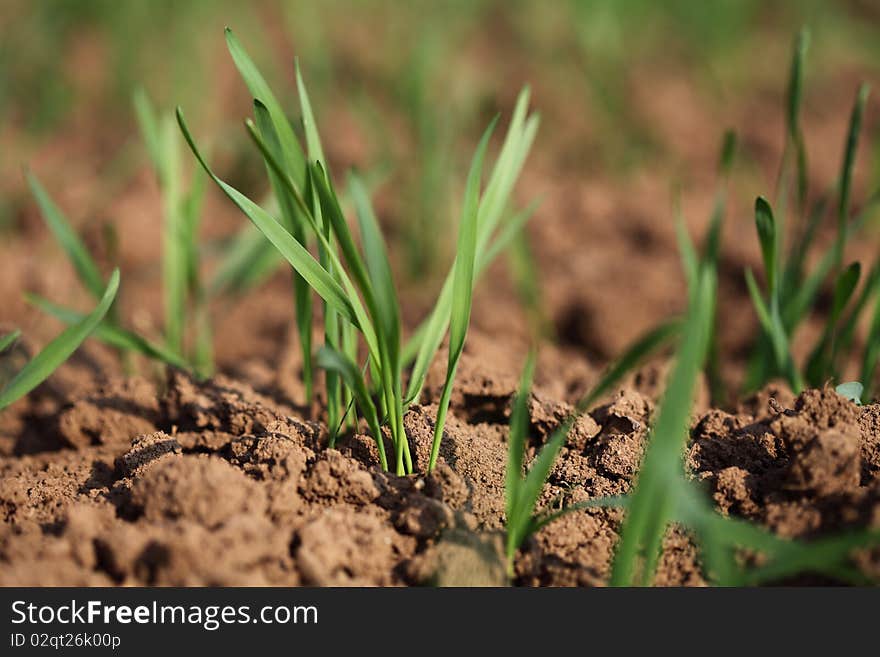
(390, 79)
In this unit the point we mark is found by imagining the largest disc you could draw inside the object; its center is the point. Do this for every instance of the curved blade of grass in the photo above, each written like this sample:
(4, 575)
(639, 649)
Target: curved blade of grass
(378, 267)
(331, 359)
(818, 367)
(111, 334)
(294, 252)
(330, 207)
(648, 344)
(531, 486)
(516, 447)
(849, 158)
(872, 353)
(59, 350)
(388, 311)
(653, 501)
(767, 236)
(758, 303)
(310, 126)
(76, 251)
(516, 146)
(7, 340)
(502, 240)
(302, 296)
(869, 290)
(293, 157)
(462, 284)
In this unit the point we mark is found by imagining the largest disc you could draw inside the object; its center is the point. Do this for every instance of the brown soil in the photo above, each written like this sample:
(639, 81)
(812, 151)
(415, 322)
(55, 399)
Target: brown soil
(215, 484)
(108, 480)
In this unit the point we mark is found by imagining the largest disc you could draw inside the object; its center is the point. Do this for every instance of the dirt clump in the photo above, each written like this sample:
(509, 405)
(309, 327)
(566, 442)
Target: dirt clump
(216, 484)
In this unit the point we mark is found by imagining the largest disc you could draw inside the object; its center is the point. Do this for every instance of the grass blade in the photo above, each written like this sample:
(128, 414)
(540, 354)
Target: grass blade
(294, 252)
(653, 500)
(292, 153)
(293, 221)
(644, 347)
(517, 143)
(310, 126)
(516, 447)
(462, 285)
(331, 359)
(111, 334)
(59, 350)
(767, 236)
(76, 251)
(849, 158)
(7, 340)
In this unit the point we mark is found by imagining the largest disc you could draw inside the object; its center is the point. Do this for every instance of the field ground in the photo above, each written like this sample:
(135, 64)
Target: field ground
(125, 474)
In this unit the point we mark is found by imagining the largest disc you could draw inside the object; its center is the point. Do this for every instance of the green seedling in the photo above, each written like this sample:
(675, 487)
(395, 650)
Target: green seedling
(9, 339)
(663, 494)
(185, 300)
(356, 285)
(522, 491)
(57, 351)
(769, 309)
(852, 390)
(793, 292)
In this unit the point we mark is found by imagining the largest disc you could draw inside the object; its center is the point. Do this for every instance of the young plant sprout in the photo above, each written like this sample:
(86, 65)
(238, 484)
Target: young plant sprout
(184, 297)
(663, 494)
(186, 300)
(355, 284)
(792, 292)
(41, 366)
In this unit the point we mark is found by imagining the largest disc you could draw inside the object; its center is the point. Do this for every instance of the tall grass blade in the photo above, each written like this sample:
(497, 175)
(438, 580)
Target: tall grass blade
(112, 335)
(330, 359)
(462, 285)
(849, 158)
(653, 501)
(76, 251)
(59, 350)
(294, 252)
(9, 339)
(641, 349)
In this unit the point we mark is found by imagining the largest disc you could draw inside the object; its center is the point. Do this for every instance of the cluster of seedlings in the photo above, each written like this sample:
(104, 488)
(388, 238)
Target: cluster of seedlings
(372, 374)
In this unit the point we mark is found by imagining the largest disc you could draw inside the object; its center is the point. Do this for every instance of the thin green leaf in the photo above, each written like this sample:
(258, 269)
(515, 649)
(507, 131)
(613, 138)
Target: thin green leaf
(293, 157)
(462, 284)
(7, 340)
(292, 216)
(310, 126)
(59, 350)
(76, 251)
(653, 500)
(849, 158)
(767, 236)
(331, 359)
(294, 252)
(112, 335)
(516, 447)
(644, 347)
(516, 146)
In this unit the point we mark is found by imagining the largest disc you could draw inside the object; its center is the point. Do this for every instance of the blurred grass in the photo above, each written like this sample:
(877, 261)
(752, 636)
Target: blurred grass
(433, 71)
